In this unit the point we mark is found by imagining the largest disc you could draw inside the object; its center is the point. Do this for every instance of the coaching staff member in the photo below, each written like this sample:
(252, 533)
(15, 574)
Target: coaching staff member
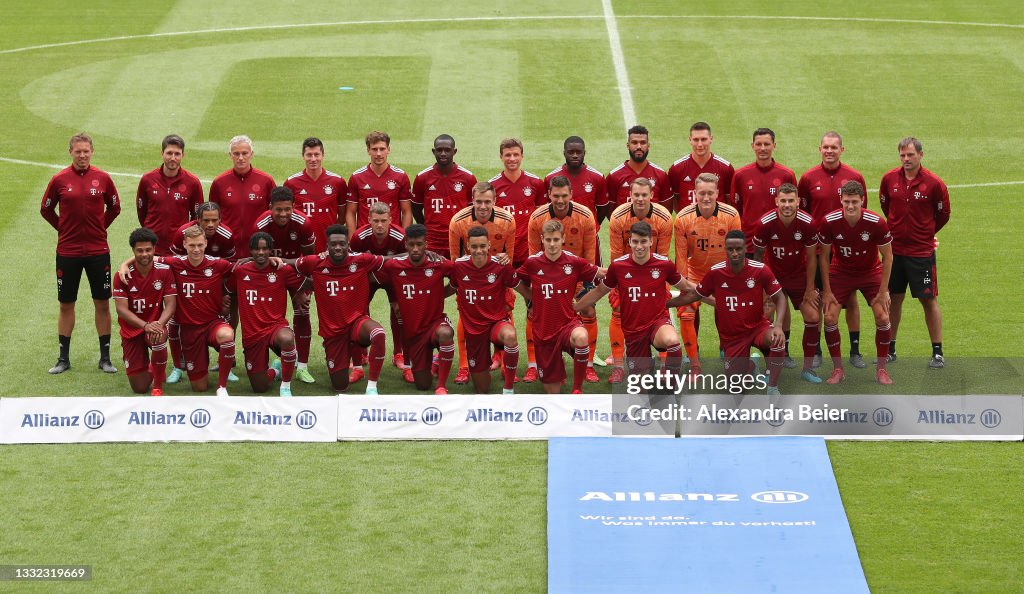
(80, 203)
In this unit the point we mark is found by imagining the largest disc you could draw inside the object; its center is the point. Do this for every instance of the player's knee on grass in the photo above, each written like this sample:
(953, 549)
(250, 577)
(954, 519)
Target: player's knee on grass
(422, 379)
(259, 382)
(201, 384)
(339, 380)
(140, 382)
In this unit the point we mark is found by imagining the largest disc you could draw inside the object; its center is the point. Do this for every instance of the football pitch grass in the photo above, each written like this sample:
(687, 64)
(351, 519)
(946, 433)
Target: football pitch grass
(470, 515)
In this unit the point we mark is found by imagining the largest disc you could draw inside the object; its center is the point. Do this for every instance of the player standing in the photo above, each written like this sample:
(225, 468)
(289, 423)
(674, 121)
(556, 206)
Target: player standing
(381, 238)
(519, 192)
(480, 282)
(169, 196)
(619, 180)
(638, 208)
(243, 192)
(640, 278)
(418, 282)
(754, 186)
(700, 231)
(738, 286)
(144, 304)
(683, 174)
(341, 283)
(790, 239)
(263, 292)
(320, 195)
(579, 229)
(378, 181)
(856, 236)
(501, 231)
(819, 195)
(588, 187)
(87, 203)
(548, 283)
(440, 191)
(916, 204)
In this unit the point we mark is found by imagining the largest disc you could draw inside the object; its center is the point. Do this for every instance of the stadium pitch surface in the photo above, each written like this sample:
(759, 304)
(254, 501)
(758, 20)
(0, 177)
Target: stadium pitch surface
(469, 516)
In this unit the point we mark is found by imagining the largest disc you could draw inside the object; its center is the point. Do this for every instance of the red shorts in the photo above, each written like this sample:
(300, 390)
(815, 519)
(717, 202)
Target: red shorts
(639, 345)
(257, 351)
(478, 347)
(738, 348)
(795, 294)
(550, 365)
(195, 344)
(419, 350)
(336, 347)
(136, 354)
(844, 285)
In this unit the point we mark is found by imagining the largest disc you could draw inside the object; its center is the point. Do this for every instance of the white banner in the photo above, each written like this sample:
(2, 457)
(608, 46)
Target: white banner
(475, 417)
(186, 418)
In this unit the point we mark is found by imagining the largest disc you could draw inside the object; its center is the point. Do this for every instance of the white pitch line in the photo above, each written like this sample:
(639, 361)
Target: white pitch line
(619, 60)
(504, 19)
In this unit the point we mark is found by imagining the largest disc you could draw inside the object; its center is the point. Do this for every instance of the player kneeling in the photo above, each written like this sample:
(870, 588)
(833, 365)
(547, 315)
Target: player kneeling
(144, 303)
(738, 286)
(262, 293)
(480, 282)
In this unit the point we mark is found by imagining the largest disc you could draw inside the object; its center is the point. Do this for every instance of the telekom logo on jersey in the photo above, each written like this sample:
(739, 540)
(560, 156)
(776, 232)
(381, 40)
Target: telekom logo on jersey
(188, 289)
(731, 301)
(252, 296)
(470, 296)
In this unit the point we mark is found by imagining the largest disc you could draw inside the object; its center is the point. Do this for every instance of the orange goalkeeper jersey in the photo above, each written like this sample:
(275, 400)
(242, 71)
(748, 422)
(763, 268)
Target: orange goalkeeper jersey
(623, 217)
(700, 242)
(501, 231)
(579, 230)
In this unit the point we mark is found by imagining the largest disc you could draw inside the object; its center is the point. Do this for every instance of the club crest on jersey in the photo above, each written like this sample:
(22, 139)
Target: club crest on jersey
(798, 236)
(567, 269)
(248, 365)
(328, 190)
(429, 272)
(457, 186)
(293, 236)
(391, 184)
(330, 363)
(588, 187)
(750, 283)
(865, 235)
(157, 285)
(208, 271)
(492, 277)
(214, 248)
(527, 192)
(352, 267)
(271, 278)
(655, 274)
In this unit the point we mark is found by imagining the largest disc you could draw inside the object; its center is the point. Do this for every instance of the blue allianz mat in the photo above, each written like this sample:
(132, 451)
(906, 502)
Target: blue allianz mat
(697, 515)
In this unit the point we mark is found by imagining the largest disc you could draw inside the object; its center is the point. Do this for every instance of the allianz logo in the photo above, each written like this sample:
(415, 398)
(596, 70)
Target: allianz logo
(92, 419)
(647, 496)
(428, 416)
(305, 419)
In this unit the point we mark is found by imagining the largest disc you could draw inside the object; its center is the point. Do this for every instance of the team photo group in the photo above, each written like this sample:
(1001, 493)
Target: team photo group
(751, 243)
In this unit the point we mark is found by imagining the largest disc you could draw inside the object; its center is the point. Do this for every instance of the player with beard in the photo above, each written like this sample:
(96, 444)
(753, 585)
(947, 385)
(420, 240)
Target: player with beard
(319, 194)
(588, 186)
(169, 196)
(619, 180)
(144, 305)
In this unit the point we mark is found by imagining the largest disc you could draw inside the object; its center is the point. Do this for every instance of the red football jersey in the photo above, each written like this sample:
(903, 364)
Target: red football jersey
(145, 295)
(342, 290)
(819, 188)
(588, 187)
(366, 188)
(553, 287)
(419, 290)
(784, 246)
(166, 203)
(289, 239)
(220, 245)
(619, 180)
(854, 249)
(682, 176)
(262, 297)
(480, 292)
(753, 194)
(88, 205)
(642, 292)
(915, 210)
(200, 288)
(393, 244)
(441, 196)
(242, 198)
(739, 298)
(521, 198)
(321, 200)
